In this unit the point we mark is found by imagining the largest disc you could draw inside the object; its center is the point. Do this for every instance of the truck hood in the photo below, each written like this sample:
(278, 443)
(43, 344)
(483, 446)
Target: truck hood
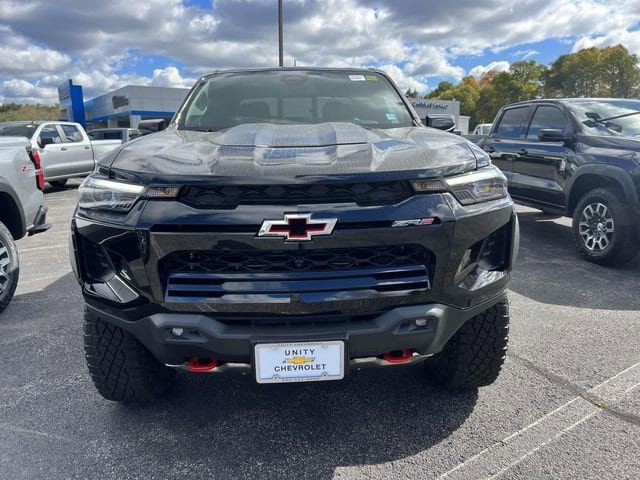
(276, 151)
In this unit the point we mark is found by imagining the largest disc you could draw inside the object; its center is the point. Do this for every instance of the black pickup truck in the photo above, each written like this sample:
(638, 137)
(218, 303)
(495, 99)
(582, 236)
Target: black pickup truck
(296, 223)
(580, 158)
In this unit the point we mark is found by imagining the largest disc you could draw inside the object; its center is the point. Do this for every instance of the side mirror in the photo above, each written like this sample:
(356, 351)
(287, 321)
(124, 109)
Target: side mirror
(441, 122)
(552, 135)
(44, 141)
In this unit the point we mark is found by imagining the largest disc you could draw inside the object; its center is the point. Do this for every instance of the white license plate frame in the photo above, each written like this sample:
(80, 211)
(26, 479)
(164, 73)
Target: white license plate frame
(310, 361)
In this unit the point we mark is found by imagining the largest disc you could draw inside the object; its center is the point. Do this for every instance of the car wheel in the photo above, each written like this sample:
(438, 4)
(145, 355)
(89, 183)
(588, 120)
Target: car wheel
(603, 228)
(58, 183)
(9, 267)
(475, 354)
(121, 368)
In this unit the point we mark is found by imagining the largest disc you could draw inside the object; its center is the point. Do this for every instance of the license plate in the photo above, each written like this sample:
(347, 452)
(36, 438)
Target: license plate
(299, 362)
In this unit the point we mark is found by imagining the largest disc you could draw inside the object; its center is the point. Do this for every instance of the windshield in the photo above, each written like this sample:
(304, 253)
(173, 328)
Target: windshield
(17, 130)
(295, 97)
(598, 117)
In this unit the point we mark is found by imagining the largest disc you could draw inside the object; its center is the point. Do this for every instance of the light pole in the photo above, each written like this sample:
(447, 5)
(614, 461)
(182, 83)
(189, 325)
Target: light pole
(280, 41)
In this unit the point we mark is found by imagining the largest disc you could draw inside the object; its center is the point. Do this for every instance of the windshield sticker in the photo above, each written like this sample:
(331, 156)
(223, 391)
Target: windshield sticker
(357, 78)
(392, 117)
(372, 78)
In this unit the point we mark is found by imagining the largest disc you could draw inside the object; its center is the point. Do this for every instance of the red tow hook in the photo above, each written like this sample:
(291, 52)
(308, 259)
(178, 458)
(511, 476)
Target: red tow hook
(196, 364)
(399, 356)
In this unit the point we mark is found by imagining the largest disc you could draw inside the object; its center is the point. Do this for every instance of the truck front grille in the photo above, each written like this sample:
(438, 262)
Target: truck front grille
(315, 275)
(231, 196)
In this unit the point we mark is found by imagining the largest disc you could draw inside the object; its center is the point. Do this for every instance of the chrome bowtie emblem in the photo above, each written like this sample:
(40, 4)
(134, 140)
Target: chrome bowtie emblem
(297, 227)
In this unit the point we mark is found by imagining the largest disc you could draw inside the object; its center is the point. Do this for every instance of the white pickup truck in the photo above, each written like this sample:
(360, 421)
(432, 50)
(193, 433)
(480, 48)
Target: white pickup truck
(65, 149)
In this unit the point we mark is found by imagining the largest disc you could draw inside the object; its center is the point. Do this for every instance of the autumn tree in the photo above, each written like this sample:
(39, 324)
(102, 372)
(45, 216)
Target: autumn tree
(594, 72)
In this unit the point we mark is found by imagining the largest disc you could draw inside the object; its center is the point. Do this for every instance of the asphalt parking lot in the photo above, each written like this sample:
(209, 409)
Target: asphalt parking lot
(567, 404)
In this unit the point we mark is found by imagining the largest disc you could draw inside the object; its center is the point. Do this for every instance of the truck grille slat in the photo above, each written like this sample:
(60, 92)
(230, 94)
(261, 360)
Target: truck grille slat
(231, 196)
(316, 275)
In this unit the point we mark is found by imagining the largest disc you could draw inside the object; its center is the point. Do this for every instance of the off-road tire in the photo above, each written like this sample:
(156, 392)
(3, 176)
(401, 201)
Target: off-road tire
(121, 368)
(624, 243)
(10, 264)
(58, 183)
(475, 354)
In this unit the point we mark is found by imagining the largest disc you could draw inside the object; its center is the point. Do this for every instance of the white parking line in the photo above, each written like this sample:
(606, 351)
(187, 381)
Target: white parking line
(46, 247)
(495, 460)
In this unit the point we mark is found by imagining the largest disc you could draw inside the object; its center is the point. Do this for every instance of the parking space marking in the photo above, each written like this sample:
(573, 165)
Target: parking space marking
(498, 458)
(30, 432)
(46, 247)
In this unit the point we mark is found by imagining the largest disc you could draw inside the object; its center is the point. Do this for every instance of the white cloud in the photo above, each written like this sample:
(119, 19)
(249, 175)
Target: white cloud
(630, 39)
(479, 70)
(526, 54)
(21, 91)
(403, 80)
(170, 77)
(96, 42)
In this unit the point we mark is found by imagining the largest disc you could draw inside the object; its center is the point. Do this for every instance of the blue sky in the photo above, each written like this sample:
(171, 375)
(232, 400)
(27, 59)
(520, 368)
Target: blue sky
(105, 45)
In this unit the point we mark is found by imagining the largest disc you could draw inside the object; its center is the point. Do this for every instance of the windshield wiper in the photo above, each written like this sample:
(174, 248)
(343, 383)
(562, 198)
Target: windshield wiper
(594, 118)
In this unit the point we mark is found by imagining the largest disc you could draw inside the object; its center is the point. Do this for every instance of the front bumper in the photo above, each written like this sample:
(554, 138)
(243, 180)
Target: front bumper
(40, 222)
(206, 337)
(371, 321)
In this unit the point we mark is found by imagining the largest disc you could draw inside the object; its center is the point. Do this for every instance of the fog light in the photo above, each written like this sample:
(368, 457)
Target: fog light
(421, 322)
(177, 332)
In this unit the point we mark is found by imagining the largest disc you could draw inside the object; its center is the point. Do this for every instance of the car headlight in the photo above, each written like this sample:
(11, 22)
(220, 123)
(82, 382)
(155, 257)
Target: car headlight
(475, 187)
(118, 197)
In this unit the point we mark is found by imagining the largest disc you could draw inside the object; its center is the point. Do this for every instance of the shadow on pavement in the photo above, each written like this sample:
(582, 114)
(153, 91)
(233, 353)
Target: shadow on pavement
(550, 270)
(208, 426)
(241, 429)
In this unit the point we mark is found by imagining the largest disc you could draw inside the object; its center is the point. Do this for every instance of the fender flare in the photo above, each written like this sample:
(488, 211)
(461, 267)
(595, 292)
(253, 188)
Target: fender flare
(618, 174)
(6, 188)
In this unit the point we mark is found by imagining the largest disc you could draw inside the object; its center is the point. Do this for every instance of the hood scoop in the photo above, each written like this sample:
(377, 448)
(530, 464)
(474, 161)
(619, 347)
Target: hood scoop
(294, 136)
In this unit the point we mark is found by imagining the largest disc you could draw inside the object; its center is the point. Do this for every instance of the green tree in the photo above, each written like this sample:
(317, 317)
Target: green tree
(594, 72)
(523, 81)
(440, 89)
(13, 112)
(620, 72)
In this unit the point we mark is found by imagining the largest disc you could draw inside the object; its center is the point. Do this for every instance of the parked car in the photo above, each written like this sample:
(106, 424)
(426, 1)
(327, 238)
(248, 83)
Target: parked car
(481, 131)
(259, 233)
(22, 208)
(580, 158)
(122, 134)
(65, 149)
(152, 125)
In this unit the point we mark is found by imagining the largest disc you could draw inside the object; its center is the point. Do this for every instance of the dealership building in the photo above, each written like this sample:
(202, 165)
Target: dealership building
(426, 106)
(124, 107)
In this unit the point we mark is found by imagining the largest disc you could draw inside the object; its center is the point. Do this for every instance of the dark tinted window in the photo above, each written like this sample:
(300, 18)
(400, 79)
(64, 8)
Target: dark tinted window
(511, 122)
(547, 117)
(50, 131)
(112, 135)
(71, 133)
(12, 130)
(295, 97)
(95, 135)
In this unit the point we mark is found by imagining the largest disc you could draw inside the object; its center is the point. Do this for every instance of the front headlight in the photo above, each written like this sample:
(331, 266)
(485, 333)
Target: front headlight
(475, 187)
(118, 197)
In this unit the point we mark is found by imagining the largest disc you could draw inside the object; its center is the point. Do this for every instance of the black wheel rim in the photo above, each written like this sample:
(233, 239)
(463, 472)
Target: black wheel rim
(5, 263)
(596, 227)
